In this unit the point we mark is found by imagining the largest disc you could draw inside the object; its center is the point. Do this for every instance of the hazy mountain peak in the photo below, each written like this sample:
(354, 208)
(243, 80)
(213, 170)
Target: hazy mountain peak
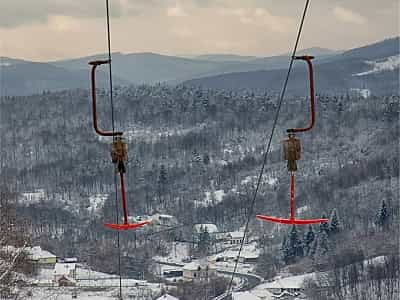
(224, 57)
(316, 51)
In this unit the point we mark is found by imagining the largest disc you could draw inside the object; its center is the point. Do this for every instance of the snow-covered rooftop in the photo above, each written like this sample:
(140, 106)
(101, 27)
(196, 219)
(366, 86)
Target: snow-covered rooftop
(211, 228)
(97, 201)
(244, 296)
(248, 252)
(193, 266)
(167, 297)
(36, 253)
(33, 197)
(236, 234)
(292, 282)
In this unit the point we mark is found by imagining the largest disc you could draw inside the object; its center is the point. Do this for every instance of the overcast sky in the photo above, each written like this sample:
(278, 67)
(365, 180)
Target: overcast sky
(54, 29)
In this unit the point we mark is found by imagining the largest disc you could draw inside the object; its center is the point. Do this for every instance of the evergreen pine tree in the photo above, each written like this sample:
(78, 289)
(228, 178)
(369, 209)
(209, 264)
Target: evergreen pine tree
(323, 243)
(205, 102)
(206, 159)
(286, 255)
(334, 226)
(382, 217)
(162, 178)
(313, 248)
(294, 245)
(324, 227)
(308, 240)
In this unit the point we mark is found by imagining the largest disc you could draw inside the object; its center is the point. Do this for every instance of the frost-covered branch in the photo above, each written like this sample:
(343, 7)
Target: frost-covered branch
(12, 263)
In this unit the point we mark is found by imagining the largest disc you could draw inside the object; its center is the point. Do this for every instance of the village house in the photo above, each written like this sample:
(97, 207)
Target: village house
(199, 229)
(172, 272)
(235, 238)
(41, 257)
(164, 220)
(199, 271)
(33, 197)
(227, 255)
(293, 285)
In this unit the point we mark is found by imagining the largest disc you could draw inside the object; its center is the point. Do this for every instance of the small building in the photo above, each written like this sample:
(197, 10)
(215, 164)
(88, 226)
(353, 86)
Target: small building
(164, 220)
(172, 273)
(228, 255)
(249, 254)
(293, 284)
(235, 238)
(249, 257)
(64, 270)
(41, 257)
(167, 297)
(33, 197)
(199, 229)
(199, 271)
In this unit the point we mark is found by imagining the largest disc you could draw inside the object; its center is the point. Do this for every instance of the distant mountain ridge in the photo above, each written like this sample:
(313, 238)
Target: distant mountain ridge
(226, 71)
(22, 78)
(150, 68)
(316, 51)
(342, 73)
(224, 57)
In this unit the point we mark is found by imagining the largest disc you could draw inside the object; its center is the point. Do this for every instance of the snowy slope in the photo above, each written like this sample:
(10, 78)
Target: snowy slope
(390, 63)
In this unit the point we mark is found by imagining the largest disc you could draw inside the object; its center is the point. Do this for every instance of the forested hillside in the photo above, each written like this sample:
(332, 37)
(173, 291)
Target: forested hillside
(194, 154)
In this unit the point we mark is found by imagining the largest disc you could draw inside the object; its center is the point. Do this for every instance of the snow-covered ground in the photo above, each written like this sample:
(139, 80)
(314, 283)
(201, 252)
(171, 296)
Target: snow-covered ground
(96, 202)
(89, 285)
(365, 93)
(268, 179)
(391, 63)
(64, 293)
(179, 253)
(264, 290)
(148, 134)
(302, 209)
(244, 296)
(211, 198)
(229, 255)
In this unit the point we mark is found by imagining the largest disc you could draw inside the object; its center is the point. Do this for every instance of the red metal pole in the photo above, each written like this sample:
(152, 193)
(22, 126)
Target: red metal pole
(292, 201)
(312, 95)
(94, 65)
(124, 198)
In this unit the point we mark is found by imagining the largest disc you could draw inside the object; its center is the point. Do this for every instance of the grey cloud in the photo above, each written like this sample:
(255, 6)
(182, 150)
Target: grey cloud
(22, 12)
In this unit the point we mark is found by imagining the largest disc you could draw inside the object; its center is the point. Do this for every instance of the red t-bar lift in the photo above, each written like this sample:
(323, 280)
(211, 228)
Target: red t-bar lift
(126, 225)
(292, 219)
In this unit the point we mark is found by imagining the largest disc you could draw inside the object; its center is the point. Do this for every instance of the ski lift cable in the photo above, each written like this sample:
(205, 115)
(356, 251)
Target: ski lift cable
(282, 95)
(113, 131)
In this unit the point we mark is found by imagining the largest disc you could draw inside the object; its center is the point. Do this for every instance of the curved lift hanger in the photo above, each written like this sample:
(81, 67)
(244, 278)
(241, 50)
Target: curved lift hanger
(119, 143)
(293, 145)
